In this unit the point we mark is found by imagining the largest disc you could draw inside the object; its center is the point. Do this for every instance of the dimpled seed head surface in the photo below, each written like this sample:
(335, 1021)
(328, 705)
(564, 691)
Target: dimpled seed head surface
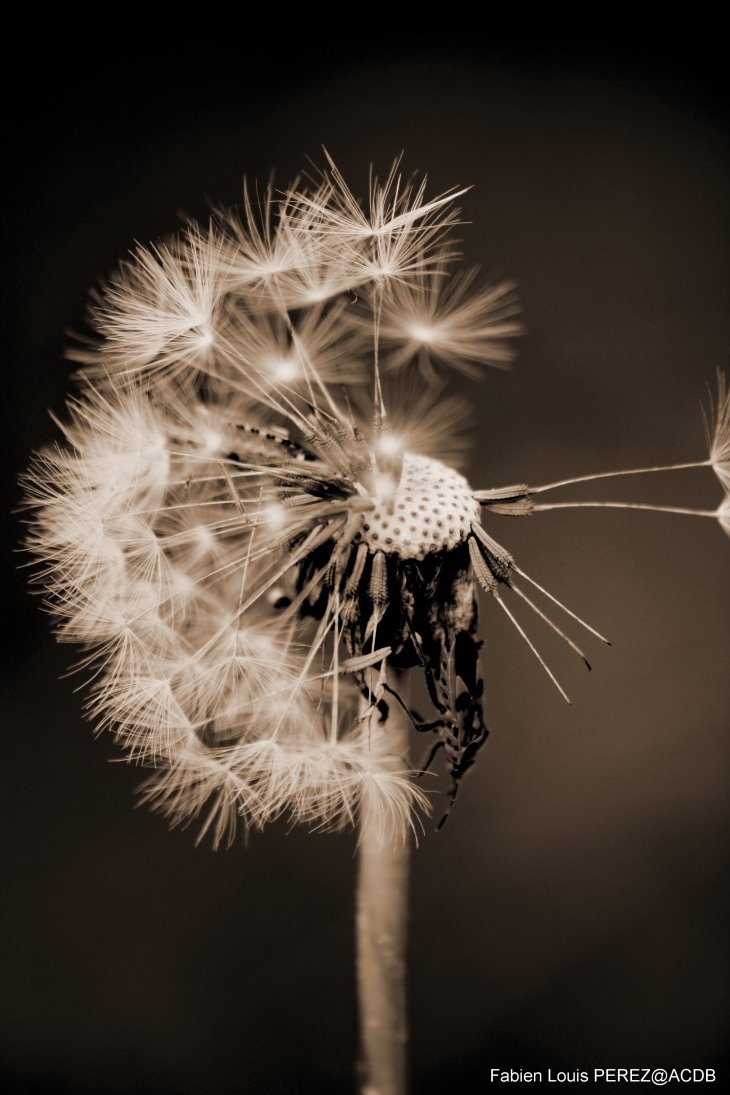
(433, 510)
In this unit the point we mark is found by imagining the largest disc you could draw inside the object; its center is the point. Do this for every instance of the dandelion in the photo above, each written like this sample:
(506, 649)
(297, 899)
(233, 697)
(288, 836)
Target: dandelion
(254, 535)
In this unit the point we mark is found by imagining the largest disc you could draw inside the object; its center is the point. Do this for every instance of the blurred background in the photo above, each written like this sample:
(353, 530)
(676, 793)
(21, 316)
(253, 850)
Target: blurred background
(571, 914)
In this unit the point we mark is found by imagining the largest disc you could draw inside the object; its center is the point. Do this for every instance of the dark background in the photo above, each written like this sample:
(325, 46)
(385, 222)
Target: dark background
(571, 914)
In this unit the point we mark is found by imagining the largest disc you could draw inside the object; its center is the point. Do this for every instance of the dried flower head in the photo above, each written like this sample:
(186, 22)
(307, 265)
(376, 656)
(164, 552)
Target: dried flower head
(250, 533)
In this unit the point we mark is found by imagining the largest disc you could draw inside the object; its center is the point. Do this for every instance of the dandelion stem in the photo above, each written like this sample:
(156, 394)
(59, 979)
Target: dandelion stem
(613, 474)
(381, 926)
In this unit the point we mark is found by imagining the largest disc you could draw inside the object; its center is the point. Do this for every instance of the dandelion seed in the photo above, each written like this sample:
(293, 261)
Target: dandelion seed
(720, 443)
(433, 317)
(723, 514)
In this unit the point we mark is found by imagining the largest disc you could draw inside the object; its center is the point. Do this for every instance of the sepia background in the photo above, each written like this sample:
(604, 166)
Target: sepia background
(571, 913)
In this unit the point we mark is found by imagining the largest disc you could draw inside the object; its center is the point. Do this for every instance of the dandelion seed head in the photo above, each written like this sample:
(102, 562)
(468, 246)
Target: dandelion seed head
(256, 523)
(216, 528)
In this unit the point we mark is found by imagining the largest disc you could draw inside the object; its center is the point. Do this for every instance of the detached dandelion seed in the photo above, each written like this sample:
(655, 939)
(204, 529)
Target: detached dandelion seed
(255, 536)
(720, 441)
